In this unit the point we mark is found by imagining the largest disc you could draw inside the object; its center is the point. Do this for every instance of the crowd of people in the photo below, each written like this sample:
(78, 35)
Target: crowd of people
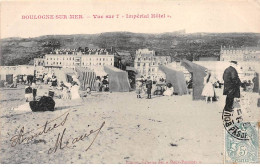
(148, 87)
(145, 87)
(102, 84)
(51, 88)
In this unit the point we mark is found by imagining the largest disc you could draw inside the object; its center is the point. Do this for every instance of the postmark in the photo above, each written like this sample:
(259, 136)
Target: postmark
(232, 119)
(242, 151)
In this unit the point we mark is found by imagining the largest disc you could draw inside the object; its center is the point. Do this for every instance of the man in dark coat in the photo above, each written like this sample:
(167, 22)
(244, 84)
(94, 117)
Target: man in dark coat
(232, 85)
(149, 85)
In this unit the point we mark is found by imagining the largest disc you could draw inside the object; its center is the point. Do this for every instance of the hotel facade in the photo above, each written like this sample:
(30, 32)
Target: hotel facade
(92, 59)
(147, 63)
(240, 54)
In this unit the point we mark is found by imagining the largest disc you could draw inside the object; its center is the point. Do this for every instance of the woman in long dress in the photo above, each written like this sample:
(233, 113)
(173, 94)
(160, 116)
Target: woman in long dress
(75, 91)
(208, 90)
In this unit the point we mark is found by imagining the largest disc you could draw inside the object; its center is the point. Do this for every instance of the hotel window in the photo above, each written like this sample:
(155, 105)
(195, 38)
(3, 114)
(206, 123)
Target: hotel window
(70, 58)
(47, 58)
(103, 59)
(111, 59)
(99, 63)
(60, 62)
(51, 58)
(138, 59)
(90, 59)
(138, 64)
(90, 63)
(73, 58)
(111, 63)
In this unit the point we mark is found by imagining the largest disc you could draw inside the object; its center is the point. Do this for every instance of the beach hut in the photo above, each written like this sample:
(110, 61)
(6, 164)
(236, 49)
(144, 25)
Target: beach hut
(9, 78)
(86, 78)
(198, 74)
(118, 79)
(176, 78)
(132, 72)
(64, 74)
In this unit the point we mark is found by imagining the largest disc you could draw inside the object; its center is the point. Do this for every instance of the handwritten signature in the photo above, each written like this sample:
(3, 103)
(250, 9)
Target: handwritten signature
(23, 137)
(68, 143)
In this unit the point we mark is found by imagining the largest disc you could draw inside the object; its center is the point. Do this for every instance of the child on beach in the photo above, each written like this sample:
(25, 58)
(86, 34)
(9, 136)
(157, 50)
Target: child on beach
(65, 93)
(139, 86)
(208, 90)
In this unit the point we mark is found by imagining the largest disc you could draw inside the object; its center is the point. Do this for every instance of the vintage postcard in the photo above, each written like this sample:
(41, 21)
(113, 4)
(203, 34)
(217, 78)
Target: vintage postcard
(129, 82)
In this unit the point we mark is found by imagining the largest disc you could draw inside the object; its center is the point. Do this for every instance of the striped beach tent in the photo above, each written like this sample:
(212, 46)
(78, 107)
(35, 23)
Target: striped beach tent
(86, 78)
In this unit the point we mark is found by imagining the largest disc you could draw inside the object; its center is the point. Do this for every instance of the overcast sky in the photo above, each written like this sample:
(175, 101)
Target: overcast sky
(193, 16)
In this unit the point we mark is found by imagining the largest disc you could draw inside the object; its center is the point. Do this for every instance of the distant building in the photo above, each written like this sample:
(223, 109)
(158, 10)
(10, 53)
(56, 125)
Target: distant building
(208, 59)
(15, 70)
(147, 63)
(240, 54)
(39, 62)
(122, 54)
(89, 58)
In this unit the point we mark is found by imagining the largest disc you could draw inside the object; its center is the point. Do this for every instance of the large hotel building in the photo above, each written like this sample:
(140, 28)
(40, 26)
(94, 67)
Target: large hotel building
(147, 63)
(91, 58)
(240, 54)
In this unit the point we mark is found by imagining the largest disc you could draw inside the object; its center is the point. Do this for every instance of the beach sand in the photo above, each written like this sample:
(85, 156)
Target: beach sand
(159, 130)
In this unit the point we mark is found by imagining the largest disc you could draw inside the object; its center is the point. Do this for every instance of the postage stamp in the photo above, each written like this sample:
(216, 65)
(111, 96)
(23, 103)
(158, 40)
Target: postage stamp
(242, 151)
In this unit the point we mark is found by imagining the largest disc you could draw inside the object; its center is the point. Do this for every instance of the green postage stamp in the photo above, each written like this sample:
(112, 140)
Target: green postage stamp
(243, 151)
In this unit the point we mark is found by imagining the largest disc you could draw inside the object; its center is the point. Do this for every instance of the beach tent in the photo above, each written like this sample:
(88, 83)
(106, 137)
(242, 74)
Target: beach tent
(86, 78)
(63, 74)
(118, 79)
(198, 74)
(132, 72)
(9, 78)
(176, 78)
(100, 71)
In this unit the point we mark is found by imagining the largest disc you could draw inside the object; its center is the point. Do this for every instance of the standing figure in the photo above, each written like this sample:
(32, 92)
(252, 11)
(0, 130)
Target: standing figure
(149, 86)
(255, 82)
(139, 86)
(45, 79)
(208, 90)
(75, 91)
(232, 85)
(28, 93)
(97, 84)
(34, 90)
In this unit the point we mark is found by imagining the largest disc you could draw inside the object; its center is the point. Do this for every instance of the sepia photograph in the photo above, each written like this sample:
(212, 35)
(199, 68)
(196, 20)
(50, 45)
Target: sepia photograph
(129, 82)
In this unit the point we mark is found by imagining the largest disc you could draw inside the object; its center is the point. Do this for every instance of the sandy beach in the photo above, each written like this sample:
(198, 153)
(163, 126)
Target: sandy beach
(163, 129)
